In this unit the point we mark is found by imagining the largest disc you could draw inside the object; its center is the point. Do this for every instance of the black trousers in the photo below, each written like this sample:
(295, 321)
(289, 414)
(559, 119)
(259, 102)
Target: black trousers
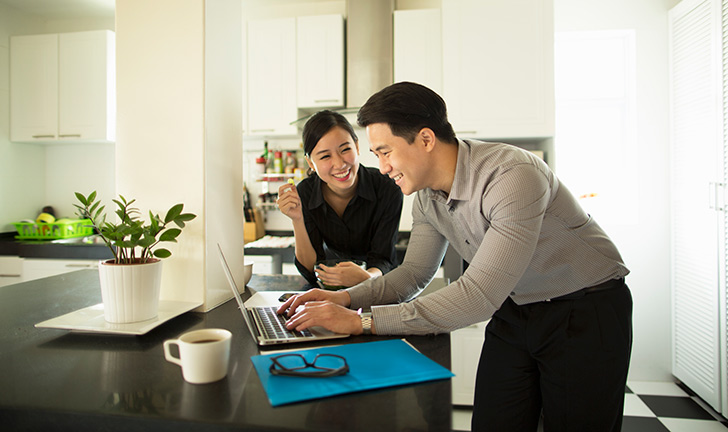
(567, 358)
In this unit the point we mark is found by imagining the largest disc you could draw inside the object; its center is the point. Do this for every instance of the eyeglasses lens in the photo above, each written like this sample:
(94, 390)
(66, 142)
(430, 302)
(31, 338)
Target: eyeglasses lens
(321, 365)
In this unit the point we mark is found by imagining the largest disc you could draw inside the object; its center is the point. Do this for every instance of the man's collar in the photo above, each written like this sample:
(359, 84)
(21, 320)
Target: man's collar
(460, 190)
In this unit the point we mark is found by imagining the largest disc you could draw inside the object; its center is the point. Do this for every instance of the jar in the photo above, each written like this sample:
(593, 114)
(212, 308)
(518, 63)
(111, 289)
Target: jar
(260, 165)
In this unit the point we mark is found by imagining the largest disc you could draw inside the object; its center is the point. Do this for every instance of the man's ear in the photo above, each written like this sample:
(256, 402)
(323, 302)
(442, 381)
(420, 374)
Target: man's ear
(428, 138)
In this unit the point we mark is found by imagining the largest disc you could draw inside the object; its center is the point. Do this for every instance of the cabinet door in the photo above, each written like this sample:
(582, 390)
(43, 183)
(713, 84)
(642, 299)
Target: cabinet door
(37, 268)
(418, 53)
(466, 345)
(320, 61)
(33, 88)
(498, 67)
(272, 77)
(697, 154)
(86, 86)
(11, 270)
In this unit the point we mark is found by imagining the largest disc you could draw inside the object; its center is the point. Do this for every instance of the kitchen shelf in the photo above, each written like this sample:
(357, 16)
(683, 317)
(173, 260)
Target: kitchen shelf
(267, 206)
(271, 177)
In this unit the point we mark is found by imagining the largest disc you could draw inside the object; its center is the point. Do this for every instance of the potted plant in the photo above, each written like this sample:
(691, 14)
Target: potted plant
(130, 282)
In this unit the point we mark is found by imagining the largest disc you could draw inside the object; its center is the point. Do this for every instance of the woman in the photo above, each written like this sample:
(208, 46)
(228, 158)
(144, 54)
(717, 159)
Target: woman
(343, 210)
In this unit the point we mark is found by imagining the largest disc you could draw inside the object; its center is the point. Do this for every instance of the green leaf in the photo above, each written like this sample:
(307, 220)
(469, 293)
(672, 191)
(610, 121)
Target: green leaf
(173, 213)
(162, 253)
(170, 235)
(92, 197)
(82, 199)
(186, 217)
(146, 241)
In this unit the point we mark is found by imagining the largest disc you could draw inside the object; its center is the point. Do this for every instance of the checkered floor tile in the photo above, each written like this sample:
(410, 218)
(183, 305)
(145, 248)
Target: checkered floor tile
(649, 407)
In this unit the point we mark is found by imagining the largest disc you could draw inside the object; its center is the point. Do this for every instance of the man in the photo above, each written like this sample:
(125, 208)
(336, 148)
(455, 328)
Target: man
(549, 278)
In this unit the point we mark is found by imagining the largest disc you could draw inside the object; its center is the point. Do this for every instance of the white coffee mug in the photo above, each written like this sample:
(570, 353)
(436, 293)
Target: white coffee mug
(203, 354)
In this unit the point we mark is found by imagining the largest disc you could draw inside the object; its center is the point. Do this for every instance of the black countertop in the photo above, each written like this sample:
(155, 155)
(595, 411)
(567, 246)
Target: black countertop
(59, 380)
(48, 249)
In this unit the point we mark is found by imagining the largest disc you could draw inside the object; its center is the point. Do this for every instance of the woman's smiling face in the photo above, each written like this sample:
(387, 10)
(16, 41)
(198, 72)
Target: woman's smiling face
(336, 159)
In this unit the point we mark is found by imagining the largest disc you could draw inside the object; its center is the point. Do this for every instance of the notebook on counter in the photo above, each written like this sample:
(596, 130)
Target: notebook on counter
(372, 365)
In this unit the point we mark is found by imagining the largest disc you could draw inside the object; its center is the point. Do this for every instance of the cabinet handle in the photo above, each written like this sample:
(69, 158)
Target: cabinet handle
(471, 132)
(262, 130)
(44, 136)
(716, 196)
(325, 100)
(79, 265)
(70, 136)
(10, 275)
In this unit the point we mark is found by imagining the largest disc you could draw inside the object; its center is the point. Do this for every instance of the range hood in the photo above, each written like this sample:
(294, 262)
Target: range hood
(369, 49)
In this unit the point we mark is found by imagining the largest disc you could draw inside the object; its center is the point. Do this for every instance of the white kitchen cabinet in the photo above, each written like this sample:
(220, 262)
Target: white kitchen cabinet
(698, 107)
(418, 53)
(320, 61)
(272, 77)
(15, 269)
(411, 47)
(37, 268)
(62, 87)
(11, 270)
(465, 347)
(498, 67)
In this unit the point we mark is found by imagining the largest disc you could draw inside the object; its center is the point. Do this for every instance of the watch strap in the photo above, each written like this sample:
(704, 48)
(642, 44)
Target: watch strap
(366, 321)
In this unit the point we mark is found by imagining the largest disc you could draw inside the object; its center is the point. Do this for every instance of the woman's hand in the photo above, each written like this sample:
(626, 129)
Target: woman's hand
(329, 315)
(346, 274)
(289, 202)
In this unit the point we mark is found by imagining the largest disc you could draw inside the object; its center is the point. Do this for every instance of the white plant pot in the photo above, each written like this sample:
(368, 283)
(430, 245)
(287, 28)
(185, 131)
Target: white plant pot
(130, 292)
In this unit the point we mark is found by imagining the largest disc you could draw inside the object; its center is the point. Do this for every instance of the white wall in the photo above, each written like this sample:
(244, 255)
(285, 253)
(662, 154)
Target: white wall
(32, 175)
(644, 241)
(22, 166)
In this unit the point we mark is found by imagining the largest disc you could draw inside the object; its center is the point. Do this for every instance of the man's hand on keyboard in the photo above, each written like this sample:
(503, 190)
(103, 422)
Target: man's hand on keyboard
(337, 297)
(327, 314)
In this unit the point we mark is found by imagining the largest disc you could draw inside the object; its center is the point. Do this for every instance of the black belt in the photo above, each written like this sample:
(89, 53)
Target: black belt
(610, 284)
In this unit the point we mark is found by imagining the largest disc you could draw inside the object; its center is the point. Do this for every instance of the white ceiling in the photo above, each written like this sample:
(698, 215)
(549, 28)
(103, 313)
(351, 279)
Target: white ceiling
(64, 9)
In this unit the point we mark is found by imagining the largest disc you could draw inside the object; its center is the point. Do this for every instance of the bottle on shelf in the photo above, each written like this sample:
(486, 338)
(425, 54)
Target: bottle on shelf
(260, 165)
(290, 163)
(278, 162)
(269, 164)
(265, 150)
(301, 158)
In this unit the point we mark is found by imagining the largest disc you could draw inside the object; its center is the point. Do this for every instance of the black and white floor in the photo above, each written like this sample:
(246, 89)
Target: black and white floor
(649, 407)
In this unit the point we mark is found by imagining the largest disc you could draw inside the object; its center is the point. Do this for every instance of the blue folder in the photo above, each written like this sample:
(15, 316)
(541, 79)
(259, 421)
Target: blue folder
(372, 365)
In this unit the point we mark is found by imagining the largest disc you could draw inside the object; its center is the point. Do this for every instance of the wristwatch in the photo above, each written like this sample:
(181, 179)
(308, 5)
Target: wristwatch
(366, 322)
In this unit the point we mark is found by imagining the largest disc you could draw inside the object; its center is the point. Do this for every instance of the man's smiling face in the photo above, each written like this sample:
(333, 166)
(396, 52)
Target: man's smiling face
(403, 162)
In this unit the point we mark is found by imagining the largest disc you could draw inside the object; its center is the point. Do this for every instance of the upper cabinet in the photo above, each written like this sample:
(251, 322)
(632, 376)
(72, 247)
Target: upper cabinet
(272, 77)
(292, 63)
(498, 67)
(62, 87)
(418, 47)
(320, 61)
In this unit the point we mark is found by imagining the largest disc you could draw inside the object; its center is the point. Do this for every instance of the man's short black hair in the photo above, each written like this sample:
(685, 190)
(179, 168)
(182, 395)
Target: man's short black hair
(408, 107)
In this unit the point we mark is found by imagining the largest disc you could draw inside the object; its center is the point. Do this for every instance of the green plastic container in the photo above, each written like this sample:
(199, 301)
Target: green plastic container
(63, 229)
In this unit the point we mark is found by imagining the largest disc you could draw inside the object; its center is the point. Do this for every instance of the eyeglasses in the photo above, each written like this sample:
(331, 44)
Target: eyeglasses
(323, 365)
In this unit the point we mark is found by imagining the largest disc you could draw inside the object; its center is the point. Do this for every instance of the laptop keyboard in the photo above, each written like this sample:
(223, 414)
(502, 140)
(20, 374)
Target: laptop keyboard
(274, 325)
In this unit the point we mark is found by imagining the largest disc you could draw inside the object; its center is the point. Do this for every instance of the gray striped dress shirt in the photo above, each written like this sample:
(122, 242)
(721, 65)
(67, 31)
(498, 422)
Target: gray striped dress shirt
(522, 232)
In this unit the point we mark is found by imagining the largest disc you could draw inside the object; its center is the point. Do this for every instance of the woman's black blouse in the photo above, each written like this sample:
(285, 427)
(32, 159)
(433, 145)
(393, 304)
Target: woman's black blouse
(366, 232)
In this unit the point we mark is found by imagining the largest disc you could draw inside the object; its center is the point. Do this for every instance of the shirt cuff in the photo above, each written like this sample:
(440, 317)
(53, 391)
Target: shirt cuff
(386, 320)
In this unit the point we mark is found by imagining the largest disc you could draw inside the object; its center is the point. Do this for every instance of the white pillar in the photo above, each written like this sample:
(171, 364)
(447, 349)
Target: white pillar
(179, 132)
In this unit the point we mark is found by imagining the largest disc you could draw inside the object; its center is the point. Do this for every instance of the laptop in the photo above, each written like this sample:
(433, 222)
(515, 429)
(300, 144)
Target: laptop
(265, 325)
